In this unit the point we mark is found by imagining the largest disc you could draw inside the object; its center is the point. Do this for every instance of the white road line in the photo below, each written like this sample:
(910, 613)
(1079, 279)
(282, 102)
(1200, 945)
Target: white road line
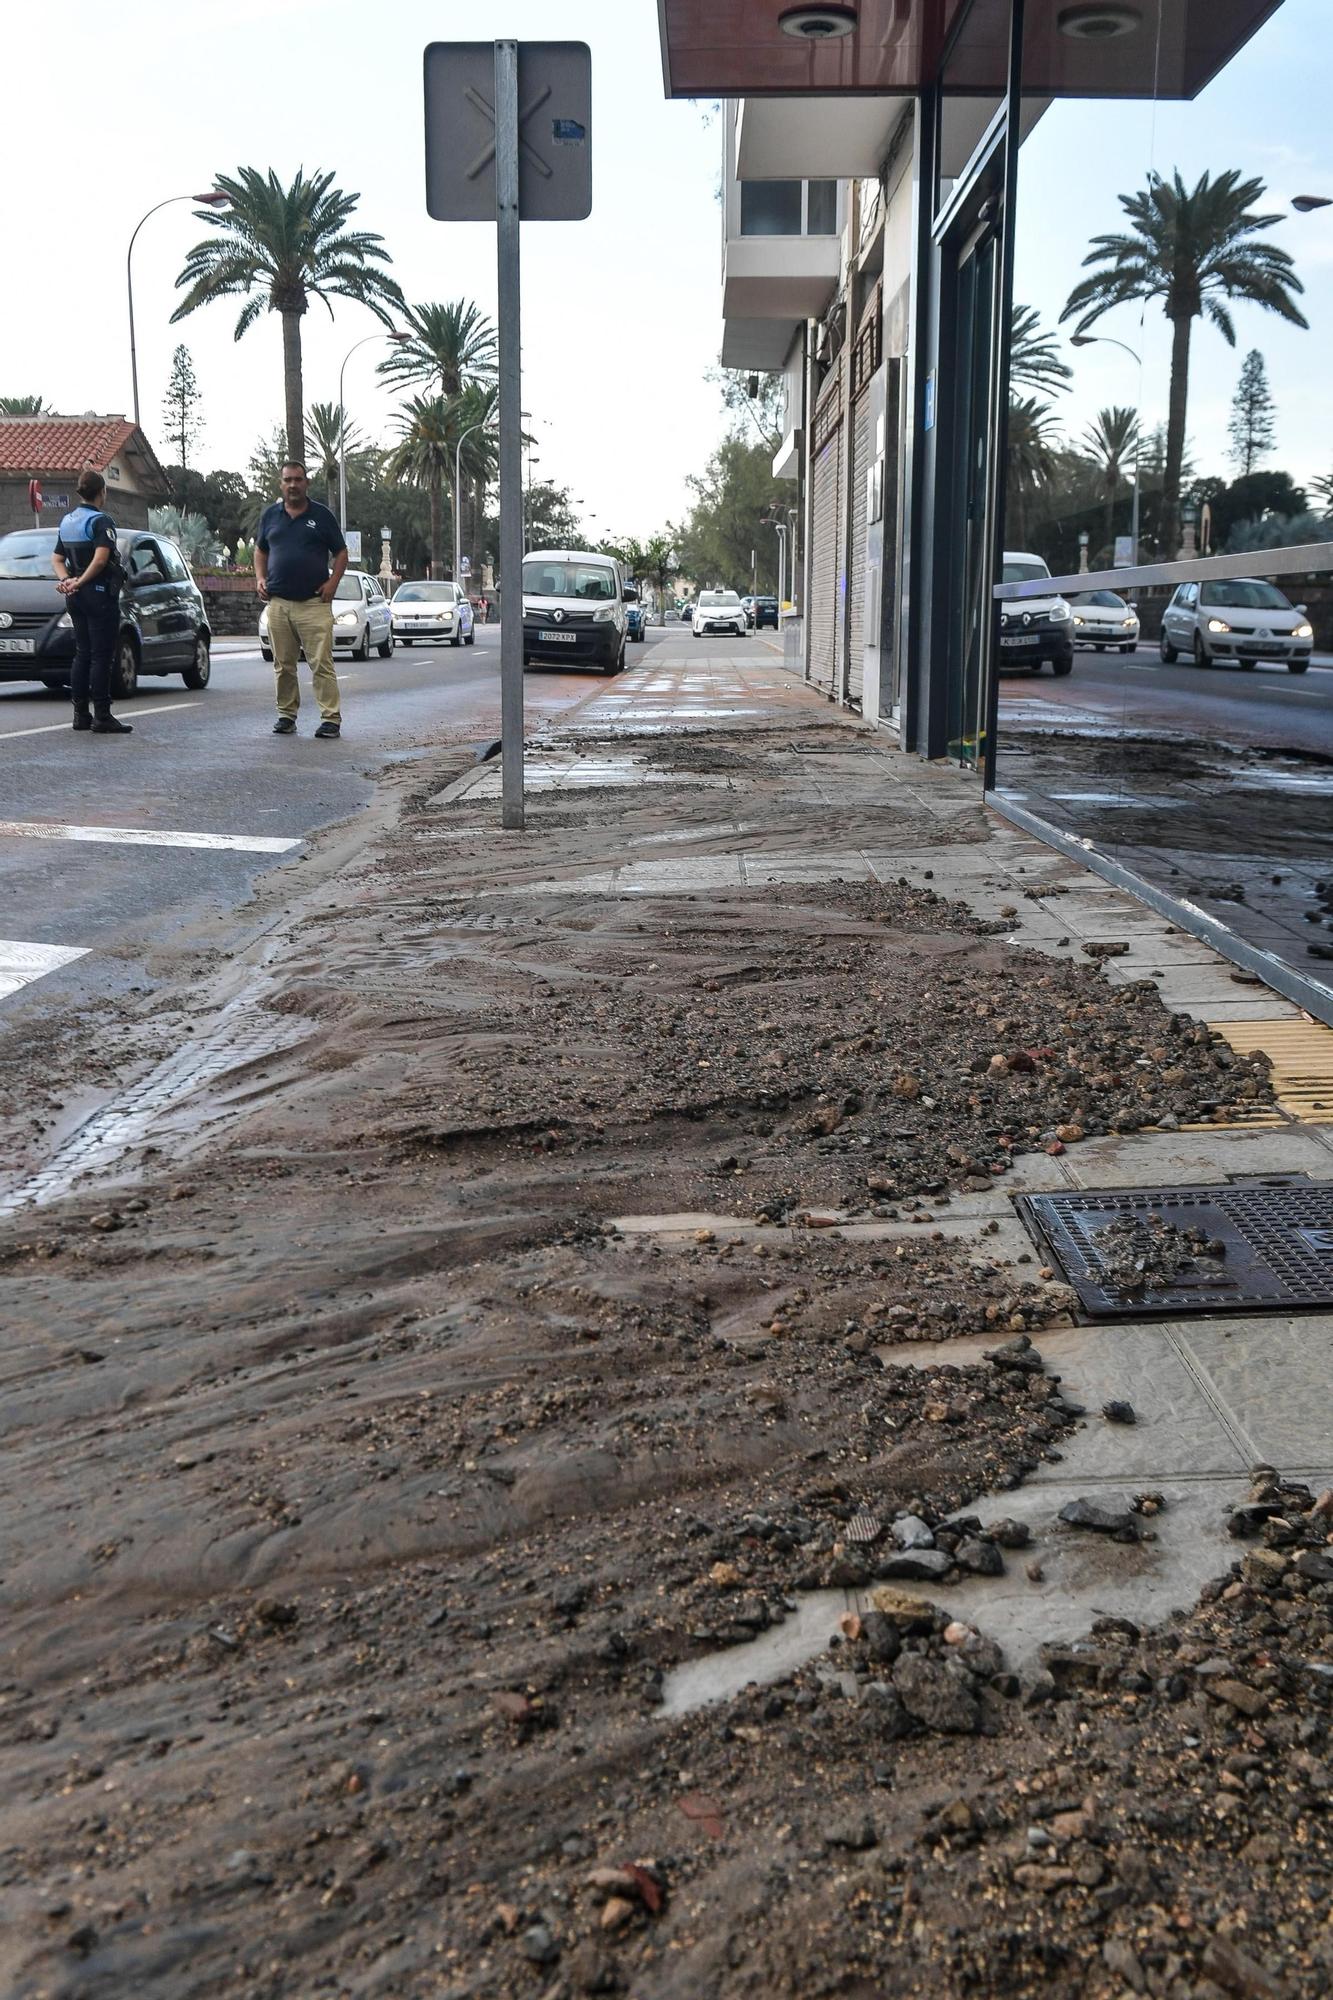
(22, 963)
(49, 728)
(134, 836)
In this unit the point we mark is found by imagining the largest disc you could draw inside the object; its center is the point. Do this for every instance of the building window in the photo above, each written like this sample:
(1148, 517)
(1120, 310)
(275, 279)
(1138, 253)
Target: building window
(789, 208)
(822, 208)
(770, 208)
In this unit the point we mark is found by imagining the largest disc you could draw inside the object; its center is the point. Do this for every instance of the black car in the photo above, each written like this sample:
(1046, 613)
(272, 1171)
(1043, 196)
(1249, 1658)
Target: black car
(765, 612)
(163, 620)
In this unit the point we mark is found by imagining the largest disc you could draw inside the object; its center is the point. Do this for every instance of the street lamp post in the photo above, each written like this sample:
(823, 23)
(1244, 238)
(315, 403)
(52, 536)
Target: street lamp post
(458, 499)
(403, 339)
(1091, 340)
(213, 199)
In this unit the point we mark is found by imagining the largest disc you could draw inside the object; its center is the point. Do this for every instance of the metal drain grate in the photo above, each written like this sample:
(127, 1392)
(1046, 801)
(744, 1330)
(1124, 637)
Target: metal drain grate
(1278, 1245)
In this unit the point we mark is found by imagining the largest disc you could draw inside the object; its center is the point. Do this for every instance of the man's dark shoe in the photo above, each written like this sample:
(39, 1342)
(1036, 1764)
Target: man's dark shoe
(329, 729)
(284, 726)
(111, 725)
(83, 718)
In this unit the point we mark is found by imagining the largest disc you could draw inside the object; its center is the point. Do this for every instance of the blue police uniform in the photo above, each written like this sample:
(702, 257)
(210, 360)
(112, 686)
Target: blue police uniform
(94, 608)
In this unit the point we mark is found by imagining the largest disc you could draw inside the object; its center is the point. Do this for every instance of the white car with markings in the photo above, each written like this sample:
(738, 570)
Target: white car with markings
(719, 611)
(426, 609)
(360, 618)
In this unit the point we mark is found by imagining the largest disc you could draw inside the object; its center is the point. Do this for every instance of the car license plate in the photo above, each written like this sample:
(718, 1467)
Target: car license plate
(558, 638)
(1019, 639)
(18, 645)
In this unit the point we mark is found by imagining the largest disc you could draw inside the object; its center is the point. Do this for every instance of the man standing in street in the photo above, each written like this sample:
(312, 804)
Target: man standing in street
(297, 538)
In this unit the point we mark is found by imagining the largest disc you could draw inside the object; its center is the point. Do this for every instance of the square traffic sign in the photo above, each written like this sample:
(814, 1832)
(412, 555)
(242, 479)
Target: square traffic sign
(554, 131)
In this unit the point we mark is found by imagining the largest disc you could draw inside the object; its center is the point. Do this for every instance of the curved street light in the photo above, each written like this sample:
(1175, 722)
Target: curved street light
(1108, 340)
(213, 199)
(458, 497)
(402, 339)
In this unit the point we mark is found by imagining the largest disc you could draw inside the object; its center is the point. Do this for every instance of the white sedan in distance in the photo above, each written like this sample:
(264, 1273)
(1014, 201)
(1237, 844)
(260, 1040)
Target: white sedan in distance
(360, 618)
(424, 609)
(1102, 619)
(719, 611)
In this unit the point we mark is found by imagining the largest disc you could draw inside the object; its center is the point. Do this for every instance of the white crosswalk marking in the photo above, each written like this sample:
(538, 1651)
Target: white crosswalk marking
(22, 963)
(135, 836)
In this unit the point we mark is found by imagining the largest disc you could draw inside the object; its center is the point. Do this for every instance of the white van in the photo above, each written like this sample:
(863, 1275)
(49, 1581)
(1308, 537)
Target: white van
(1033, 629)
(574, 609)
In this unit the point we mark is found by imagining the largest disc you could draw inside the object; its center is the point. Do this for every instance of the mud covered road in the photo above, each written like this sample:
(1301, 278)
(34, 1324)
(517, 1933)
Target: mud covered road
(365, 1481)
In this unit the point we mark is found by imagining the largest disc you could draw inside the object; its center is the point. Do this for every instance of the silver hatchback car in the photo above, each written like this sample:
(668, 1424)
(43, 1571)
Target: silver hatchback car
(1239, 618)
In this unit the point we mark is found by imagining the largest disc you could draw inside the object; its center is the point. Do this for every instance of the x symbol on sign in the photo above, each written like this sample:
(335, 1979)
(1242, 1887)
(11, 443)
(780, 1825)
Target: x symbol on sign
(487, 110)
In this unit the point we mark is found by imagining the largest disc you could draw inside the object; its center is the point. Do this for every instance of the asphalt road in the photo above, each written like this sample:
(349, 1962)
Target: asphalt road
(204, 767)
(1267, 708)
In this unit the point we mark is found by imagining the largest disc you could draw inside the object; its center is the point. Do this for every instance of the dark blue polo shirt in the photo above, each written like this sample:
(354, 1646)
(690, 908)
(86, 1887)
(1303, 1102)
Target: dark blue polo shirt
(298, 547)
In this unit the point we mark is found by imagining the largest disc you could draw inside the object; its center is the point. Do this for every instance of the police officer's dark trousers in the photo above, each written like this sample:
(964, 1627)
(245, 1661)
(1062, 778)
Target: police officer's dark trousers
(95, 613)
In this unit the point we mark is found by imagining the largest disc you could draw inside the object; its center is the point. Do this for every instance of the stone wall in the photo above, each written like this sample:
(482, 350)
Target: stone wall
(233, 605)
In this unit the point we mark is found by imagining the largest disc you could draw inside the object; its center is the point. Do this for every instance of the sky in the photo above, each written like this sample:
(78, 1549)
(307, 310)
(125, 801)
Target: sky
(1267, 114)
(621, 313)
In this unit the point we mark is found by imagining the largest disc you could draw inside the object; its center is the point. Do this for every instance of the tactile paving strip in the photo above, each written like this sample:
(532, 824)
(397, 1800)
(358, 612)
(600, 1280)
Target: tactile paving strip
(243, 1034)
(1279, 1246)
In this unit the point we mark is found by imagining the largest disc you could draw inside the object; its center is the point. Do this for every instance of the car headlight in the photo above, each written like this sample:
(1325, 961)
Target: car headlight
(64, 623)
(1078, 620)
(603, 615)
(1301, 632)
(345, 618)
(1218, 625)
(1059, 613)
(1129, 623)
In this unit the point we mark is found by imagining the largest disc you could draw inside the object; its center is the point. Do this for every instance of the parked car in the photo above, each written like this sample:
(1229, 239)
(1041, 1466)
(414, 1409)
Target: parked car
(719, 611)
(1102, 619)
(424, 609)
(361, 618)
(574, 609)
(1034, 629)
(765, 613)
(749, 603)
(636, 618)
(1240, 619)
(163, 619)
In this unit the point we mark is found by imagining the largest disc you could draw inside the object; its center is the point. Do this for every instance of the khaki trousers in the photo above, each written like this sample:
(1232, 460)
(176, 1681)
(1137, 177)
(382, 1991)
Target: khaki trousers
(296, 625)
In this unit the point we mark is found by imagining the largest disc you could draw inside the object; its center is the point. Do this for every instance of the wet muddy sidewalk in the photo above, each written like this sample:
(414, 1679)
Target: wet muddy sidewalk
(596, 1266)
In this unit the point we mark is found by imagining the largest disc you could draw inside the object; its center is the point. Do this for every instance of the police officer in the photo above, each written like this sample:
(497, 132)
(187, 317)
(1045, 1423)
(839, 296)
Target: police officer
(88, 572)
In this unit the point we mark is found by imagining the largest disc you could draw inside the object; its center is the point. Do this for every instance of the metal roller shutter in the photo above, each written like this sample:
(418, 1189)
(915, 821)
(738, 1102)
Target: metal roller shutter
(865, 359)
(825, 536)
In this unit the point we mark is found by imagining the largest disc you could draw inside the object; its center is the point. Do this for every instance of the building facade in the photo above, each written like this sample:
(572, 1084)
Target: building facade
(870, 156)
(53, 451)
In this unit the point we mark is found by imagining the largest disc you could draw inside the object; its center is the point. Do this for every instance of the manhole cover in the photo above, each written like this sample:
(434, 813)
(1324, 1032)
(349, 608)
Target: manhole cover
(1190, 1250)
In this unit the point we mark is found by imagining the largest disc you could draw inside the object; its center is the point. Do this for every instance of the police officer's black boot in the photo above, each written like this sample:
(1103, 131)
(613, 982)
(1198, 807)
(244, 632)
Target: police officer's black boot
(83, 715)
(107, 724)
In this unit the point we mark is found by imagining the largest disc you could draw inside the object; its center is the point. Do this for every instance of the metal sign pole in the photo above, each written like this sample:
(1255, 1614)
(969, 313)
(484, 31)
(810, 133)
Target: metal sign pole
(511, 433)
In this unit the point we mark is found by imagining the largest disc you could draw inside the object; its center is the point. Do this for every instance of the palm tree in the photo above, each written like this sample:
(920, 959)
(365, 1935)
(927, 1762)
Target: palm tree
(450, 344)
(23, 406)
(324, 435)
(1032, 460)
(453, 344)
(1194, 249)
(1323, 486)
(1112, 443)
(425, 458)
(277, 247)
(1034, 359)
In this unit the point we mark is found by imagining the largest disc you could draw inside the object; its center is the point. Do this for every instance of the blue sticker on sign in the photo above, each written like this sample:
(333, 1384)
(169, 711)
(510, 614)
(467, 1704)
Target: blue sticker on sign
(568, 132)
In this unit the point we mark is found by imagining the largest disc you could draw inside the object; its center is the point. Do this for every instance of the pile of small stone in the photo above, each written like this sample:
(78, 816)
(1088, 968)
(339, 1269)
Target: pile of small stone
(1146, 1253)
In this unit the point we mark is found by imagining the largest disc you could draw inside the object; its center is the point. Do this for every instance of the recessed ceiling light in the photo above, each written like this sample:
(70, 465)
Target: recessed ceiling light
(1098, 20)
(818, 24)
